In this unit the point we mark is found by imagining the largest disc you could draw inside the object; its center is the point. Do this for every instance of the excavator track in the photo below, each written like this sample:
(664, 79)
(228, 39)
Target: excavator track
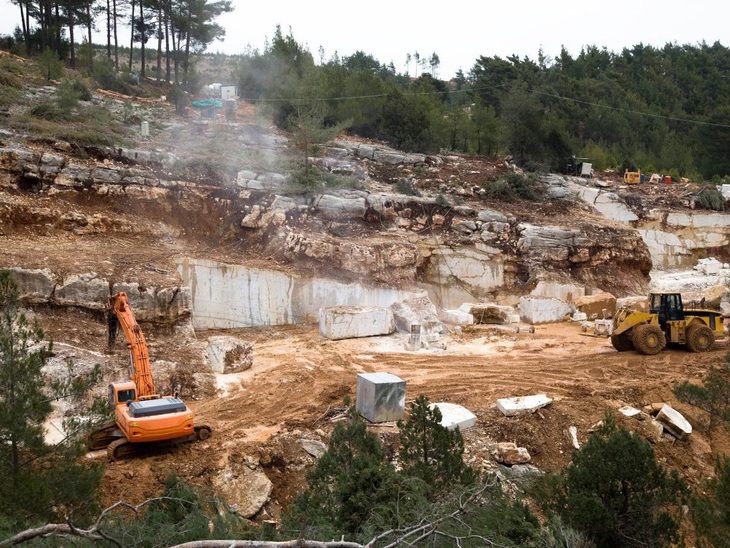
(121, 449)
(103, 437)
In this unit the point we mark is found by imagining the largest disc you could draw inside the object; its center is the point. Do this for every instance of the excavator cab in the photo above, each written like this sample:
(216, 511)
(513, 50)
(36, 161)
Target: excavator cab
(122, 393)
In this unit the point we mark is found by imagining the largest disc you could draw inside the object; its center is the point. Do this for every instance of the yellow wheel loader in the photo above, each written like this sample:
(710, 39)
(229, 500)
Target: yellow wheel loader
(666, 322)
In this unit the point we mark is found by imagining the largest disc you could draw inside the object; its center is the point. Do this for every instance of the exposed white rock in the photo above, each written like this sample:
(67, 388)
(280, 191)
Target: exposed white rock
(523, 404)
(34, 286)
(453, 416)
(85, 290)
(573, 431)
(554, 290)
(488, 313)
(674, 422)
(229, 296)
(416, 311)
(243, 489)
(314, 447)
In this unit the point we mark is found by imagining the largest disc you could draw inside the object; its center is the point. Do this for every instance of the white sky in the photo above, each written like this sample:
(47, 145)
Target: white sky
(460, 33)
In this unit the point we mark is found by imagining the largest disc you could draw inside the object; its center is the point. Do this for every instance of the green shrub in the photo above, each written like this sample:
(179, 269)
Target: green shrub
(712, 396)
(51, 112)
(615, 493)
(350, 482)
(710, 510)
(405, 186)
(106, 77)
(70, 92)
(443, 201)
(710, 197)
(514, 186)
(10, 73)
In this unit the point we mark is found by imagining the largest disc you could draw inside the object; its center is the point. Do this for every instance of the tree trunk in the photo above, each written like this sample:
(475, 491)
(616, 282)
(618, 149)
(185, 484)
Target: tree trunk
(116, 41)
(159, 39)
(26, 35)
(167, 43)
(175, 47)
(131, 40)
(89, 25)
(142, 39)
(108, 30)
(57, 25)
(187, 49)
(69, 7)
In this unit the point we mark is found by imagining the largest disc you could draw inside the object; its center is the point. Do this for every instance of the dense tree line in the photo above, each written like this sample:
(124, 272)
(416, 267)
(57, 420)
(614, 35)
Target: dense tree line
(172, 29)
(657, 109)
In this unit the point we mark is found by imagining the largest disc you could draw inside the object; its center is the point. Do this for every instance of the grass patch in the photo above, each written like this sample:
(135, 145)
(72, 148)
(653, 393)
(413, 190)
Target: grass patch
(93, 126)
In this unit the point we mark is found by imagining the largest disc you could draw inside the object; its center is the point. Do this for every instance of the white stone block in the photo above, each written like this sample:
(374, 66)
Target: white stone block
(381, 397)
(629, 411)
(524, 404)
(543, 310)
(709, 266)
(229, 354)
(453, 415)
(674, 422)
(725, 189)
(579, 316)
(457, 317)
(349, 322)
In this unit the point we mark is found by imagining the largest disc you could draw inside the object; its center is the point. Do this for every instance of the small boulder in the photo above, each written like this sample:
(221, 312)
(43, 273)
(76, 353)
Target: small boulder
(509, 454)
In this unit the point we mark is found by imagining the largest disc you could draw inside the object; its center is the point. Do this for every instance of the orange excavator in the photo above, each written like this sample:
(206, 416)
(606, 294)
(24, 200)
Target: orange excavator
(143, 419)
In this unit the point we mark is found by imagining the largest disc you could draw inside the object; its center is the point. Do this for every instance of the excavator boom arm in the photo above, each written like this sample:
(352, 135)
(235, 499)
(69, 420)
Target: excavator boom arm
(118, 306)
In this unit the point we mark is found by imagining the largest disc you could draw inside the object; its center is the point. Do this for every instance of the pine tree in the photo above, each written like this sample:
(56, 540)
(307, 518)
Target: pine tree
(616, 493)
(47, 476)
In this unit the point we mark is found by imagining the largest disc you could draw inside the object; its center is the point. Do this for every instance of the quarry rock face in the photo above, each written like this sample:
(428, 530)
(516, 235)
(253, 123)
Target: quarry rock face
(386, 261)
(34, 286)
(83, 290)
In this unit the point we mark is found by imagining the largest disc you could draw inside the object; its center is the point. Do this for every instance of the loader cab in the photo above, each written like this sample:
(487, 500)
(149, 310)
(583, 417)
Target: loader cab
(667, 306)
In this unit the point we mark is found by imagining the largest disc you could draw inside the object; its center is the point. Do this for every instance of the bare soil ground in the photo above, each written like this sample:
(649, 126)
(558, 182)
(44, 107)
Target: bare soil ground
(298, 378)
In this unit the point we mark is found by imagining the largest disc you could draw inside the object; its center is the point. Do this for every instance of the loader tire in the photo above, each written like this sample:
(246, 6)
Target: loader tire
(648, 339)
(700, 338)
(622, 342)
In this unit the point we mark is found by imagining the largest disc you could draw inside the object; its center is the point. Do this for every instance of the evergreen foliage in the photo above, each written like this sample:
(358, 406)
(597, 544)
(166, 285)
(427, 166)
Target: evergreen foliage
(182, 513)
(615, 493)
(641, 107)
(349, 483)
(431, 452)
(712, 396)
(710, 510)
(50, 479)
